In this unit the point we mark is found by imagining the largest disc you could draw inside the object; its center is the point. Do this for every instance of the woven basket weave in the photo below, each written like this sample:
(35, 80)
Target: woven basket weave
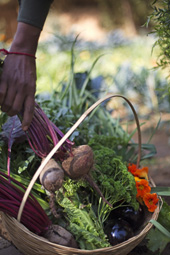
(31, 244)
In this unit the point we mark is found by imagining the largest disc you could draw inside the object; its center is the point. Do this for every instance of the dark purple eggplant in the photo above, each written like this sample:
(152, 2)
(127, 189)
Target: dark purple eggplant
(127, 213)
(118, 231)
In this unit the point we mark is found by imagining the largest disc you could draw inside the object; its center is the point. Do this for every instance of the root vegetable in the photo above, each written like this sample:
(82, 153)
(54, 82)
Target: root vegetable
(52, 176)
(80, 163)
(59, 235)
(52, 205)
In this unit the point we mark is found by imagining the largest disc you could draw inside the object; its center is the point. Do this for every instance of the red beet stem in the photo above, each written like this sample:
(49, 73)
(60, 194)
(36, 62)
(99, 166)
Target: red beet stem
(43, 135)
(33, 216)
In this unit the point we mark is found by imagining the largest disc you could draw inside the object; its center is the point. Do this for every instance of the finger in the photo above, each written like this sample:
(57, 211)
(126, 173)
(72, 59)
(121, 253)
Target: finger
(7, 104)
(28, 112)
(18, 105)
(3, 90)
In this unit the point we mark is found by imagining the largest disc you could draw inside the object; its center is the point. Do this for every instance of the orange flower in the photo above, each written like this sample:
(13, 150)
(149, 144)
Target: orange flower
(132, 168)
(150, 201)
(142, 173)
(142, 187)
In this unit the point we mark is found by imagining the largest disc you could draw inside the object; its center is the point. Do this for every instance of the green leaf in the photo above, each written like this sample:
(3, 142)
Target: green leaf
(154, 131)
(25, 181)
(161, 191)
(25, 164)
(156, 241)
(83, 223)
(164, 215)
(161, 228)
(159, 236)
(89, 73)
(151, 148)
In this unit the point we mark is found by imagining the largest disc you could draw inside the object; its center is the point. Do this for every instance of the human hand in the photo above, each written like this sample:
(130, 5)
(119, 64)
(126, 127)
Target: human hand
(17, 87)
(18, 78)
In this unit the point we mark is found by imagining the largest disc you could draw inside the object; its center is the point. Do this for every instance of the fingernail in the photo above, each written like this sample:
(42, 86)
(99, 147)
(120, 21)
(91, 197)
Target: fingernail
(25, 128)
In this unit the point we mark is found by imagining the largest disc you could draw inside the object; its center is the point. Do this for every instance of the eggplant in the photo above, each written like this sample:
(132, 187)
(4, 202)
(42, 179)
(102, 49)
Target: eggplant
(118, 231)
(127, 213)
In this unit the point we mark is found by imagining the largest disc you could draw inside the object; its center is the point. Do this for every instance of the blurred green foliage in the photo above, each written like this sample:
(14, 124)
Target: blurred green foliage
(124, 66)
(161, 18)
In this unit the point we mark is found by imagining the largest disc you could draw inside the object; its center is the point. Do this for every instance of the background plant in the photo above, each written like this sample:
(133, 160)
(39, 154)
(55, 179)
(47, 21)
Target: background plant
(160, 17)
(71, 96)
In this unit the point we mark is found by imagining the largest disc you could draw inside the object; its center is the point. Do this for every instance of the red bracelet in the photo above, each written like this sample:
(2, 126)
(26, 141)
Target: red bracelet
(6, 52)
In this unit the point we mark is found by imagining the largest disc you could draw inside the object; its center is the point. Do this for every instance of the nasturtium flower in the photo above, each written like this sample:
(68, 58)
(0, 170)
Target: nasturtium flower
(132, 168)
(141, 172)
(142, 187)
(137, 179)
(151, 201)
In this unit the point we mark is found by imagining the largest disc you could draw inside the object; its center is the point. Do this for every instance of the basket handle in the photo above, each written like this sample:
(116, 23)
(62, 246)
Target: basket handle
(66, 136)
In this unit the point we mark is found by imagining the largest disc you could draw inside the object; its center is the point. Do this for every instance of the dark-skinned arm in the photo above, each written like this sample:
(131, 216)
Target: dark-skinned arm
(18, 79)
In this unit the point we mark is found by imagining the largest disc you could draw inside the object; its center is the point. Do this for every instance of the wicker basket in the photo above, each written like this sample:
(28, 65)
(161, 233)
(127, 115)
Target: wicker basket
(31, 244)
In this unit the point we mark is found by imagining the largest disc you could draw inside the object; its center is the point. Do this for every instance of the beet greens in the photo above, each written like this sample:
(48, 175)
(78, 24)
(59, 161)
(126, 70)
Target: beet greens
(11, 194)
(43, 135)
(12, 132)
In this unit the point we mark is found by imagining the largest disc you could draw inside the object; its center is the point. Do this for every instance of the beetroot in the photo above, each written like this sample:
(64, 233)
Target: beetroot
(80, 163)
(52, 176)
(59, 235)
